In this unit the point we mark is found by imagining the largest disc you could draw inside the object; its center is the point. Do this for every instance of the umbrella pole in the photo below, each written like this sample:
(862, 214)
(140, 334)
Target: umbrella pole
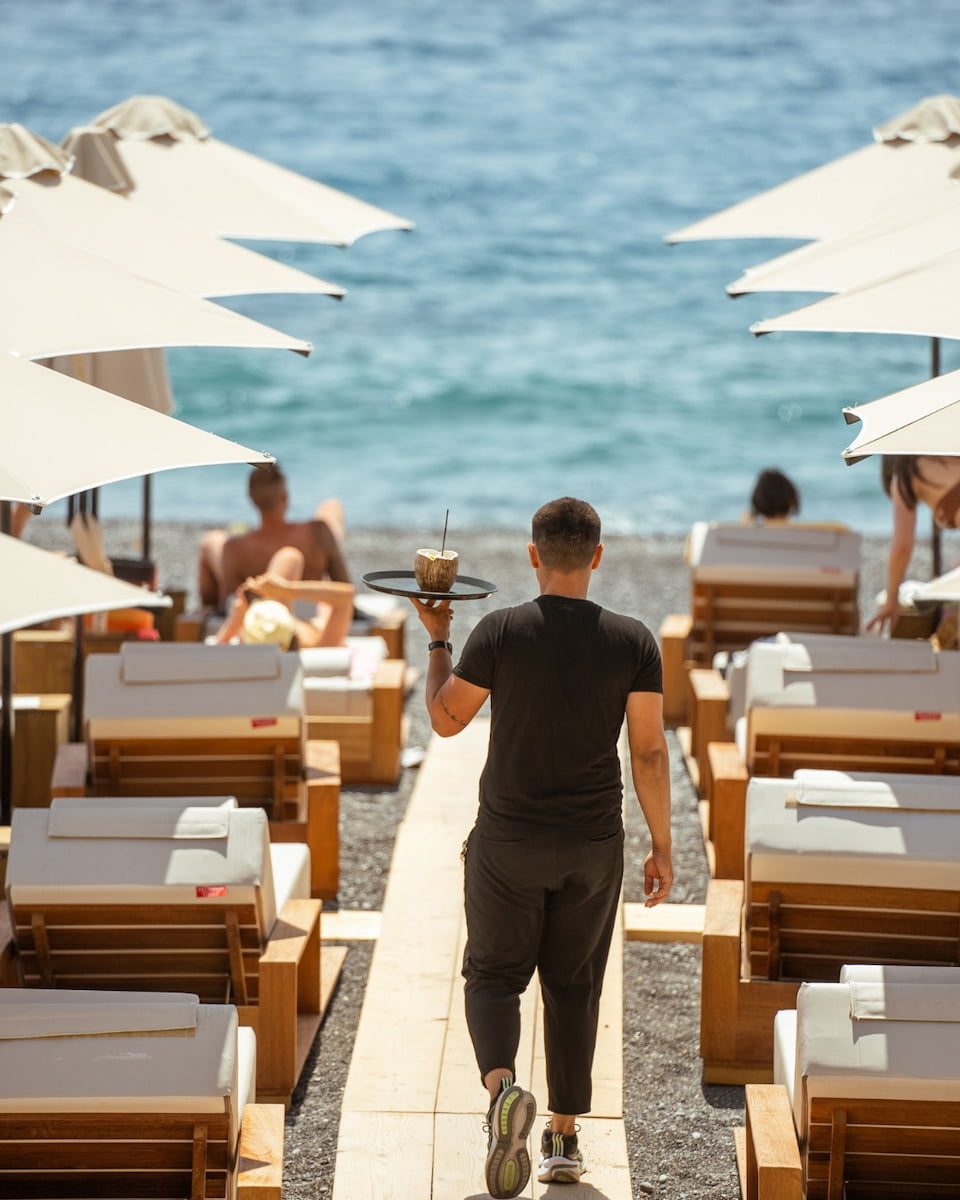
(147, 517)
(6, 697)
(79, 654)
(936, 547)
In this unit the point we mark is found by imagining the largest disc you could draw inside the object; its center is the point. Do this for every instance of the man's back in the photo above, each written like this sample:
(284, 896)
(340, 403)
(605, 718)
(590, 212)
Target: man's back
(249, 554)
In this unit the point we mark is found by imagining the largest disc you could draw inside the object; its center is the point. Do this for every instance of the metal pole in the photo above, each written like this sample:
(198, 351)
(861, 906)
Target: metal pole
(145, 546)
(6, 697)
(936, 547)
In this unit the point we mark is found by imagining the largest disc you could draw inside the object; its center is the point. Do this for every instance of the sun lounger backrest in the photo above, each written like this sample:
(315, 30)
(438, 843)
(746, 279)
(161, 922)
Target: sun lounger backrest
(720, 551)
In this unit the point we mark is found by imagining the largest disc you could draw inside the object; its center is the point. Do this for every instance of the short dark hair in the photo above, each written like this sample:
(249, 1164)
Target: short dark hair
(774, 495)
(566, 533)
(267, 486)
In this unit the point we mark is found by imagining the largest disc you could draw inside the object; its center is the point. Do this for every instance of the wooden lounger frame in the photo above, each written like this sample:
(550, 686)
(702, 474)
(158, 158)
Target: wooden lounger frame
(858, 1149)
(215, 950)
(729, 616)
(754, 958)
(56, 1156)
(308, 810)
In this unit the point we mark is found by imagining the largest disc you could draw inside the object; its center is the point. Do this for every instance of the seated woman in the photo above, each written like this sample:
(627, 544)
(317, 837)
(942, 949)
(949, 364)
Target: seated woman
(774, 498)
(911, 479)
(283, 581)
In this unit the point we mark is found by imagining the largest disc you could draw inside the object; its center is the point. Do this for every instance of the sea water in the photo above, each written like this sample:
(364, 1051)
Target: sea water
(534, 336)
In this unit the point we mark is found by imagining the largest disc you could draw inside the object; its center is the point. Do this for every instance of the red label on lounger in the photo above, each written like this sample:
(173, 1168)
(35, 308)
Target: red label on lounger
(217, 889)
(260, 722)
(927, 716)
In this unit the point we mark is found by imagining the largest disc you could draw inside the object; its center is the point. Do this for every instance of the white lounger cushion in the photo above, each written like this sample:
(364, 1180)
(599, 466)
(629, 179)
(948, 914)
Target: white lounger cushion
(291, 872)
(338, 680)
(186, 690)
(126, 857)
(788, 841)
(837, 1055)
(39, 1013)
(785, 554)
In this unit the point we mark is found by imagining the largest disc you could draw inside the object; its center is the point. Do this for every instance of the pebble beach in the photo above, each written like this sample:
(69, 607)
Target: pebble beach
(679, 1131)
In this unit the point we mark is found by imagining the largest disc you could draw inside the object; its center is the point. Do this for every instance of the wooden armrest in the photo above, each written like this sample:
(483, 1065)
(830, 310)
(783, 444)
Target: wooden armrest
(723, 909)
(390, 674)
(291, 932)
(676, 625)
(260, 1165)
(728, 805)
(69, 777)
(189, 626)
(773, 1170)
(720, 970)
(706, 684)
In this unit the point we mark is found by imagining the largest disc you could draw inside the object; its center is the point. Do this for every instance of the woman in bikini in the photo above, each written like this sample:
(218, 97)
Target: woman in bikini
(910, 479)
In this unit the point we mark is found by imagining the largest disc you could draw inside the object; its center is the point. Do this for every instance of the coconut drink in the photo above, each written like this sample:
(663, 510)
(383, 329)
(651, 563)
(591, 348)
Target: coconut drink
(436, 570)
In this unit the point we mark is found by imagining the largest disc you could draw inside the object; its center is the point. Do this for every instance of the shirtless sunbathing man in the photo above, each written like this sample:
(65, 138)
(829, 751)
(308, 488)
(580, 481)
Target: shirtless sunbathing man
(226, 562)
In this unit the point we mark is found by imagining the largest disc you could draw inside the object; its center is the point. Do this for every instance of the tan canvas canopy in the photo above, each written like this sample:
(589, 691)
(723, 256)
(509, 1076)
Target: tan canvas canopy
(180, 170)
(40, 586)
(894, 243)
(923, 419)
(913, 153)
(61, 437)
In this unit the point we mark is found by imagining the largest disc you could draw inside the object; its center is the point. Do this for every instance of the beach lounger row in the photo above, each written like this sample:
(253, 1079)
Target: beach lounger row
(866, 1098)
(163, 893)
(838, 869)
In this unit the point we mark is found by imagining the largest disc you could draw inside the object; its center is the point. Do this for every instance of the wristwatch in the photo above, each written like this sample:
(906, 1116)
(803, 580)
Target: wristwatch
(437, 645)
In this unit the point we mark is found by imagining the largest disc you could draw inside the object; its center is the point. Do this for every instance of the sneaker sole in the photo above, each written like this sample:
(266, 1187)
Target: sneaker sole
(560, 1175)
(508, 1162)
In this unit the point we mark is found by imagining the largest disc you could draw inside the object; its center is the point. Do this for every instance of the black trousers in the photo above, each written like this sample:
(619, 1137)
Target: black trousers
(547, 902)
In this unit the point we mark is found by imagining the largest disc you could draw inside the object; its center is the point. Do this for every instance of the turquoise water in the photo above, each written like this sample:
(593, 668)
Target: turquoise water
(534, 336)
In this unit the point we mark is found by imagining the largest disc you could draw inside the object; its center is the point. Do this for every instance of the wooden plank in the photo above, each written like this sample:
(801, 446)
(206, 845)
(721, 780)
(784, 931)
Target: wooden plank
(772, 1157)
(604, 1144)
(344, 925)
(664, 923)
(384, 1154)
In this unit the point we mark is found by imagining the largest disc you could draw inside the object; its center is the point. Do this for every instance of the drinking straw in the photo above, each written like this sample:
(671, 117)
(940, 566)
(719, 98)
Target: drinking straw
(443, 541)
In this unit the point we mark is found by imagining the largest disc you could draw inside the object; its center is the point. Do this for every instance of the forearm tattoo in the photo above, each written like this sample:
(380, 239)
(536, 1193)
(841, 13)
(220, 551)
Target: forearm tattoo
(456, 720)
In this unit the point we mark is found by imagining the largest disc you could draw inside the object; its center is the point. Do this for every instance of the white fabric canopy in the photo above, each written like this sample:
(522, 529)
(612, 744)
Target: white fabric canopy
(923, 419)
(913, 153)
(179, 170)
(58, 299)
(40, 586)
(914, 301)
(61, 437)
(898, 242)
(945, 587)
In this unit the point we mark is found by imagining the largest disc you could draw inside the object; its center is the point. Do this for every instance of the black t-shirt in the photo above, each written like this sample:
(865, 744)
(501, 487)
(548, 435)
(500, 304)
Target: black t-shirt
(559, 672)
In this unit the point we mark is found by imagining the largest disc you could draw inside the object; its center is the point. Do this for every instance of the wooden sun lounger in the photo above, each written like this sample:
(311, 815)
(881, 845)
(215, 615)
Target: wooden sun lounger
(102, 1132)
(222, 942)
(854, 885)
(842, 1124)
(749, 582)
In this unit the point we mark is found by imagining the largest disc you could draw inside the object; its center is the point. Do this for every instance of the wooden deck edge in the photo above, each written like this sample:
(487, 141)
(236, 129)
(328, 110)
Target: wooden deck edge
(356, 925)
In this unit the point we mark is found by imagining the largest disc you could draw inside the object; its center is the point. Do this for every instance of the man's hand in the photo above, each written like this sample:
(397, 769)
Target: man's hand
(657, 878)
(435, 616)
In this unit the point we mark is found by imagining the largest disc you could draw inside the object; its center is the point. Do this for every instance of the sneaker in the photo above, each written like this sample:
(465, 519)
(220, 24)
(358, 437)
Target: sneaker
(508, 1125)
(560, 1158)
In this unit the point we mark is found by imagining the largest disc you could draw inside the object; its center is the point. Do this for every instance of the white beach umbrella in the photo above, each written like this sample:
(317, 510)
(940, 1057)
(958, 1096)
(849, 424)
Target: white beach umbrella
(51, 199)
(61, 437)
(923, 419)
(179, 169)
(58, 299)
(895, 243)
(912, 154)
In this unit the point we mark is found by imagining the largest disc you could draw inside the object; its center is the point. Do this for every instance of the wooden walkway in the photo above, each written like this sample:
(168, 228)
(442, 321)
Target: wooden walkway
(413, 1106)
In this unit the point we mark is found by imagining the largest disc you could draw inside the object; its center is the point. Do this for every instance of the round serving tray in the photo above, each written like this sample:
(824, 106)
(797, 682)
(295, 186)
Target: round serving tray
(404, 583)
